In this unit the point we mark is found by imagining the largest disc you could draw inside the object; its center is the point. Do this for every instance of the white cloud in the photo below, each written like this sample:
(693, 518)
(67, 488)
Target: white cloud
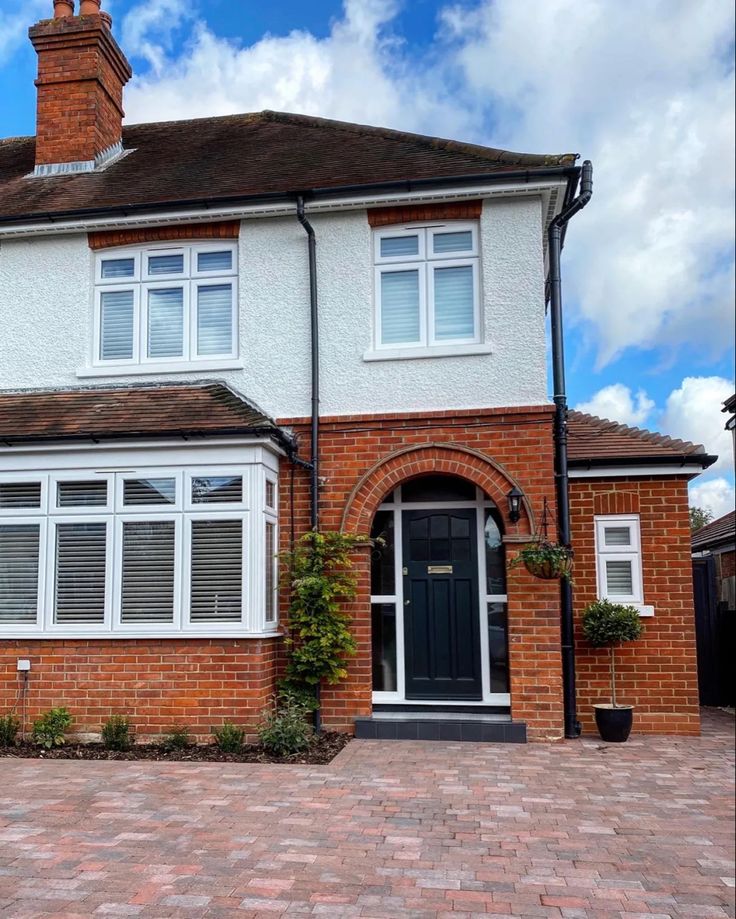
(645, 90)
(14, 23)
(693, 412)
(617, 403)
(716, 495)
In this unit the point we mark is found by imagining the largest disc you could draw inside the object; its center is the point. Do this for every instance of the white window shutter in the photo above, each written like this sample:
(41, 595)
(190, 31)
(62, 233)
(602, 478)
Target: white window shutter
(214, 319)
(149, 564)
(19, 567)
(454, 307)
(166, 322)
(117, 320)
(216, 571)
(81, 569)
(400, 321)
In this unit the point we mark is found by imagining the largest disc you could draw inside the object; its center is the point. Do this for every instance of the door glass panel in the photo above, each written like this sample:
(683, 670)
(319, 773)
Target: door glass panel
(498, 646)
(383, 640)
(438, 488)
(383, 580)
(495, 556)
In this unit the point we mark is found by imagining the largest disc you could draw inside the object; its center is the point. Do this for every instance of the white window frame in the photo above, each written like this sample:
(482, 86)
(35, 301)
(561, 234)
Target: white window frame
(190, 279)
(250, 511)
(426, 262)
(630, 552)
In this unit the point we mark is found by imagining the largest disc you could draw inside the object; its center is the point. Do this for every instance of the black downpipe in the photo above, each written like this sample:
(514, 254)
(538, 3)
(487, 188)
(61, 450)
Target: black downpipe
(314, 327)
(555, 234)
(314, 458)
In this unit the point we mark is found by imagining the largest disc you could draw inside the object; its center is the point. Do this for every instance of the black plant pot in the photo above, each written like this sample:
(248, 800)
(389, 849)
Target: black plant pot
(614, 724)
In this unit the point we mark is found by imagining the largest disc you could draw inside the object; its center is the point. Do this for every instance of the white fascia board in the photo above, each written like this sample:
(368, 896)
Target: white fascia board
(619, 472)
(551, 192)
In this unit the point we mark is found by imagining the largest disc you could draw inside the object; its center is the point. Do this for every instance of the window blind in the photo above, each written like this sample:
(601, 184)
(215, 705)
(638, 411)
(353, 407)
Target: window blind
(453, 303)
(215, 319)
(116, 325)
(19, 562)
(149, 553)
(216, 571)
(617, 536)
(81, 553)
(91, 493)
(20, 494)
(619, 577)
(215, 261)
(461, 241)
(399, 307)
(166, 322)
(165, 264)
(394, 246)
(217, 489)
(118, 268)
(149, 491)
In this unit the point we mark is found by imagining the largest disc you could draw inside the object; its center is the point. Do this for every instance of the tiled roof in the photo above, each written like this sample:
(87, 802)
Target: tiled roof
(262, 153)
(718, 531)
(597, 441)
(165, 410)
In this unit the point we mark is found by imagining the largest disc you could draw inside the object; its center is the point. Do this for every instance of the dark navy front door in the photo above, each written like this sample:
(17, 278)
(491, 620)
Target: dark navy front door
(441, 621)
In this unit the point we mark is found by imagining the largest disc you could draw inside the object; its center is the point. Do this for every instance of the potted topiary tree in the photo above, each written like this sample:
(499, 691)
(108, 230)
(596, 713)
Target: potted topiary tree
(606, 625)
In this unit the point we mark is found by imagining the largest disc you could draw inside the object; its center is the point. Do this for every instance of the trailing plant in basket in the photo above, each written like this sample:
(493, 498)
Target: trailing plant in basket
(606, 625)
(545, 559)
(321, 579)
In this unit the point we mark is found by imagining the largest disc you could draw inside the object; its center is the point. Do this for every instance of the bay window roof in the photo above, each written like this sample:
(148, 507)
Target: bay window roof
(155, 410)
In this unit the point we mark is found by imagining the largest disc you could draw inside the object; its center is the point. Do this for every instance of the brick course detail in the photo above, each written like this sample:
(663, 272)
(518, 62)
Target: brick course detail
(106, 239)
(413, 213)
(658, 673)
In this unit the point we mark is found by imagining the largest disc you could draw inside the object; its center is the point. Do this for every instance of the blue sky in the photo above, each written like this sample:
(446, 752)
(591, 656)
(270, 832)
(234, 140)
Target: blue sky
(645, 90)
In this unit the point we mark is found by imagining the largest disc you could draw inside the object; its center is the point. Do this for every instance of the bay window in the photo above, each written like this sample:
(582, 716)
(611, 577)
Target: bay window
(165, 551)
(165, 305)
(427, 286)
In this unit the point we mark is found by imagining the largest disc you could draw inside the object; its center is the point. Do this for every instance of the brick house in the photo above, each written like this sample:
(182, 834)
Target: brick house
(189, 380)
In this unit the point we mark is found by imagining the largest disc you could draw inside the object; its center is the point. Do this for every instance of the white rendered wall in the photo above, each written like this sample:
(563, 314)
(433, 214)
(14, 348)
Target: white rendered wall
(46, 308)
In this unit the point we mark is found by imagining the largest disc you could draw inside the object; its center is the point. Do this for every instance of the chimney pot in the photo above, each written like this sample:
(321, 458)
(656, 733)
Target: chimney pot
(89, 7)
(63, 8)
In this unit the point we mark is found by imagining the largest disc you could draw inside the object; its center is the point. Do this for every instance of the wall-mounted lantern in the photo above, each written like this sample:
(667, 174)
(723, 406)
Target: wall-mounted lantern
(515, 497)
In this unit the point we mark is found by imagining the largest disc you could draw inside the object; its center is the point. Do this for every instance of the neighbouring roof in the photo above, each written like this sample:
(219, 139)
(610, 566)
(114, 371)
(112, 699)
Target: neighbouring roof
(258, 154)
(730, 404)
(157, 410)
(594, 441)
(715, 533)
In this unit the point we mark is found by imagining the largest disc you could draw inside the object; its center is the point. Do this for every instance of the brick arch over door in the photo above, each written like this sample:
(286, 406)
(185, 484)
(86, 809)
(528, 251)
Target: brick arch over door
(451, 459)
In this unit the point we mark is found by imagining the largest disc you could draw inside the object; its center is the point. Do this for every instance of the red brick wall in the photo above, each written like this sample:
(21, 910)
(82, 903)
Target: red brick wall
(105, 239)
(197, 682)
(727, 563)
(365, 457)
(658, 673)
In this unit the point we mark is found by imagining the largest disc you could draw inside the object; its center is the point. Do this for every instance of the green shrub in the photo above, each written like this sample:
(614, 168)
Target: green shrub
(49, 730)
(178, 738)
(285, 730)
(606, 625)
(9, 727)
(229, 738)
(116, 733)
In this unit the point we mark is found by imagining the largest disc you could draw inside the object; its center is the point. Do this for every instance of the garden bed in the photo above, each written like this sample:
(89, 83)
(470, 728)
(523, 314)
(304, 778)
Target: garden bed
(322, 750)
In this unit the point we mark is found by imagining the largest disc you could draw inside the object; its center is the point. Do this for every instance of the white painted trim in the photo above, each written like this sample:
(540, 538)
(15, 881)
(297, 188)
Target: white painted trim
(494, 698)
(419, 352)
(28, 634)
(547, 189)
(134, 369)
(627, 553)
(613, 472)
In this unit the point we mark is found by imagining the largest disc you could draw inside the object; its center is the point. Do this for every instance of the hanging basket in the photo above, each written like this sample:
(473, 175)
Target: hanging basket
(546, 561)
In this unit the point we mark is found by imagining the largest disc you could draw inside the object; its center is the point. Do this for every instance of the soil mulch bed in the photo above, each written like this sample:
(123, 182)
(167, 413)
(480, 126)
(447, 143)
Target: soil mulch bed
(321, 751)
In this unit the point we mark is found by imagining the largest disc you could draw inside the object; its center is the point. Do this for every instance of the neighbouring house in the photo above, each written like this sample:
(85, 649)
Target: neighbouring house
(729, 407)
(714, 578)
(219, 333)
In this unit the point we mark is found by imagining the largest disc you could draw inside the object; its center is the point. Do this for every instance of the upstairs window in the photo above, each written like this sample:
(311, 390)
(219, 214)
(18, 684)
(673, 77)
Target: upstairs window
(166, 304)
(427, 286)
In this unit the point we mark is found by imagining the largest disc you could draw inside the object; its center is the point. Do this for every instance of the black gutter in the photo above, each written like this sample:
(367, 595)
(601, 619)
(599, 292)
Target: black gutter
(314, 338)
(407, 185)
(680, 459)
(555, 234)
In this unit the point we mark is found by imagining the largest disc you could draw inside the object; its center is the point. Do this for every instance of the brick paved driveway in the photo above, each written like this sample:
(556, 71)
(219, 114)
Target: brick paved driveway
(389, 829)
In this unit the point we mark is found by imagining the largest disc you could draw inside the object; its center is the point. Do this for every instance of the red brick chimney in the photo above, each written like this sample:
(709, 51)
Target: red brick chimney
(81, 75)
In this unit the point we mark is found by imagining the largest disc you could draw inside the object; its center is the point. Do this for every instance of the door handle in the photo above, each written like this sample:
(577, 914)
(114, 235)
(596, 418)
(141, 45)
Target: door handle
(407, 602)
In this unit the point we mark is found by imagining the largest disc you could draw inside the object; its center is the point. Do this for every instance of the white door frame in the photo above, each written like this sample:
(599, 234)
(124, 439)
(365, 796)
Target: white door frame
(480, 504)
